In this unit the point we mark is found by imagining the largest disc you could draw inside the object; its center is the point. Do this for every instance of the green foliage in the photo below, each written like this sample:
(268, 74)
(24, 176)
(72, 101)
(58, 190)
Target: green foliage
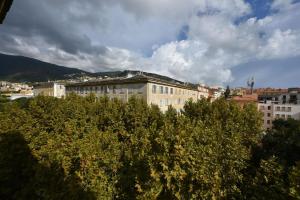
(227, 92)
(294, 178)
(101, 148)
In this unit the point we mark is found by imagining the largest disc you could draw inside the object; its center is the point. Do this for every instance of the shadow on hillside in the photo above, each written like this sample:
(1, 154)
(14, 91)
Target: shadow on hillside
(22, 177)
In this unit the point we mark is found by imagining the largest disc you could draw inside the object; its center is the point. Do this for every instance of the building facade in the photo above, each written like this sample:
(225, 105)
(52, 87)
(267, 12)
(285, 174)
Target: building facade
(152, 90)
(273, 110)
(203, 92)
(50, 89)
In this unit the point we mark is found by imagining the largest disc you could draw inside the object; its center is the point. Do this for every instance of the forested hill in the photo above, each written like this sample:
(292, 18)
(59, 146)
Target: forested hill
(24, 69)
(19, 68)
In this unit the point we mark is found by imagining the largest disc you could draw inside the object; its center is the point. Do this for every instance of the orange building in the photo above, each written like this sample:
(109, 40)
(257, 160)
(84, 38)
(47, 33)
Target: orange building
(245, 99)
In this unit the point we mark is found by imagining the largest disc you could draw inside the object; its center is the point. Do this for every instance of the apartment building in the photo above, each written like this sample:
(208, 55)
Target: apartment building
(152, 90)
(50, 89)
(203, 91)
(274, 110)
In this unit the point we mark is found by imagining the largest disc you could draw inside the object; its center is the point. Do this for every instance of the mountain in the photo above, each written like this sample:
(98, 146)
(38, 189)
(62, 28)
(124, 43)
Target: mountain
(126, 73)
(23, 69)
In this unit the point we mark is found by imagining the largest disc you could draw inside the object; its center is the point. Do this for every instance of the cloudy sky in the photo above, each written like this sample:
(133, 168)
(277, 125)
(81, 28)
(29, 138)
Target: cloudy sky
(208, 41)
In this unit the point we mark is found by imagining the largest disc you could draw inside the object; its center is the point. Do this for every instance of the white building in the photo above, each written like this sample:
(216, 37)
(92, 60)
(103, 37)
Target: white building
(274, 110)
(50, 89)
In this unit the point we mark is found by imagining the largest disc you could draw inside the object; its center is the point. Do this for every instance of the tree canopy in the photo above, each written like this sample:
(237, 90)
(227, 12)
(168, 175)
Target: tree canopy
(101, 148)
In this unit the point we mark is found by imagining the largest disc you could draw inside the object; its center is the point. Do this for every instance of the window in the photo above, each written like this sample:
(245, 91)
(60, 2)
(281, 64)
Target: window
(289, 109)
(282, 108)
(261, 107)
(179, 101)
(268, 122)
(161, 103)
(269, 114)
(166, 90)
(277, 115)
(161, 89)
(171, 90)
(154, 89)
(269, 107)
(167, 102)
(283, 116)
(289, 116)
(277, 108)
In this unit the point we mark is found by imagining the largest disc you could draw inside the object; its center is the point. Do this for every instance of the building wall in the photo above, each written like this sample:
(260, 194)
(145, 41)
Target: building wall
(165, 95)
(285, 111)
(267, 110)
(59, 90)
(54, 90)
(272, 111)
(120, 91)
(45, 91)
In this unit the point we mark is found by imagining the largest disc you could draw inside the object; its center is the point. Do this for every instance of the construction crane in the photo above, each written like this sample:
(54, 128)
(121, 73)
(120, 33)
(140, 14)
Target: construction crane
(250, 84)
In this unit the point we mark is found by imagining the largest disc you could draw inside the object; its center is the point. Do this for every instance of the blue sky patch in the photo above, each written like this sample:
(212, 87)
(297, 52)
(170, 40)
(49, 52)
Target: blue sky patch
(183, 33)
(260, 8)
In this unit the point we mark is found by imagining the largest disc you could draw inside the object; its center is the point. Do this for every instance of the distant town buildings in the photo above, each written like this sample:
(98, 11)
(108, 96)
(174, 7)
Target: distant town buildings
(216, 92)
(7, 87)
(163, 91)
(15, 91)
(50, 89)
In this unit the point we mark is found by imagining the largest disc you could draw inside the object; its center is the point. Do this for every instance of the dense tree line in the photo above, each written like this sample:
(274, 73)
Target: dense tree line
(97, 148)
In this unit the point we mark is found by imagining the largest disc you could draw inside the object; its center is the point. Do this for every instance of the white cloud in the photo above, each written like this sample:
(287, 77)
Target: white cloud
(135, 34)
(191, 61)
(281, 4)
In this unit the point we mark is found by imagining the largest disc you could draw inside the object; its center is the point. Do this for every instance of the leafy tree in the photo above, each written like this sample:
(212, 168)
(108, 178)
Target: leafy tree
(101, 148)
(227, 92)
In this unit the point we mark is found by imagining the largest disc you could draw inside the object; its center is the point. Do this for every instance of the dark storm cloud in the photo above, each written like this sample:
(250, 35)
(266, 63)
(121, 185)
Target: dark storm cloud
(33, 19)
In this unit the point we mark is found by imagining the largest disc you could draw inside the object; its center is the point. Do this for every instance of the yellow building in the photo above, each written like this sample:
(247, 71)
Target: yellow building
(152, 90)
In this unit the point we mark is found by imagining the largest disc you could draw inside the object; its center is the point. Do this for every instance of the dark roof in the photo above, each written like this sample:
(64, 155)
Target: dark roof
(4, 8)
(135, 79)
(45, 84)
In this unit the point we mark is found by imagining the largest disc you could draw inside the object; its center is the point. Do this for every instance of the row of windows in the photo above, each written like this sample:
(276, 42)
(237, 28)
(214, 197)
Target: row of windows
(288, 109)
(283, 116)
(167, 102)
(166, 90)
(278, 108)
(104, 90)
(278, 115)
